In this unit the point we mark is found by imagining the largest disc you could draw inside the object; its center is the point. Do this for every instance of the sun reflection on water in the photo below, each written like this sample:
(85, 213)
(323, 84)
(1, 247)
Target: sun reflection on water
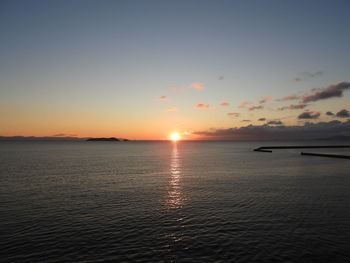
(174, 193)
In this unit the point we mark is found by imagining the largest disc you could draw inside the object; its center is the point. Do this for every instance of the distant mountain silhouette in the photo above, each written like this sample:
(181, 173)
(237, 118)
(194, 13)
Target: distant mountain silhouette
(34, 138)
(56, 138)
(112, 139)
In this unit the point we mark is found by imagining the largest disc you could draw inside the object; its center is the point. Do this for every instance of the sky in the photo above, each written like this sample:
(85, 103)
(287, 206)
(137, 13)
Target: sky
(144, 69)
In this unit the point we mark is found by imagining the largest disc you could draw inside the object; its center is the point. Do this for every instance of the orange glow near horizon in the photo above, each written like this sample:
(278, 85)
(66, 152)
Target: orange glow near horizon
(175, 136)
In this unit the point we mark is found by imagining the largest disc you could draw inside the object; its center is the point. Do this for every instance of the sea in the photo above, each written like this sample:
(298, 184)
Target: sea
(172, 202)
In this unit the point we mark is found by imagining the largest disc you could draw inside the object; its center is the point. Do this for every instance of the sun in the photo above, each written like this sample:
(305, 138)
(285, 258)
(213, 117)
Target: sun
(175, 136)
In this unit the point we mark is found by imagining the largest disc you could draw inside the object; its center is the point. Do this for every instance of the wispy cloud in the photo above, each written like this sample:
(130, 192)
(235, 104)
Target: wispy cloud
(343, 114)
(244, 103)
(162, 98)
(197, 86)
(171, 109)
(294, 107)
(175, 88)
(262, 119)
(290, 97)
(220, 77)
(331, 91)
(329, 113)
(274, 123)
(246, 121)
(233, 114)
(224, 104)
(202, 106)
(307, 75)
(309, 115)
(256, 108)
(266, 98)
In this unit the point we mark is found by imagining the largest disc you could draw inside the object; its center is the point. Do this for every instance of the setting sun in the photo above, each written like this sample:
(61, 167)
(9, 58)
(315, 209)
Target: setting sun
(175, 137)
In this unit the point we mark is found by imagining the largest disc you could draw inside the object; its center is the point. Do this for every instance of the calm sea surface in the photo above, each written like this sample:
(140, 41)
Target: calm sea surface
(165, 202)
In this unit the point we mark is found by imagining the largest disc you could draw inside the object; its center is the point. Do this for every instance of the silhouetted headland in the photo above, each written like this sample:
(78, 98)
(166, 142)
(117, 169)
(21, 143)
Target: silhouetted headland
(112, 139)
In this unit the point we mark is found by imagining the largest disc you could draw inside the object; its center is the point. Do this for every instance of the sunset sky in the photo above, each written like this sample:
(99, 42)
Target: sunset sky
(143, 69)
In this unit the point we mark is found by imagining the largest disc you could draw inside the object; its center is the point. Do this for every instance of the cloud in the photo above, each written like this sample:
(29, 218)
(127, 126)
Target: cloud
(343, 114)
(262, 119)
(306, 75)
(225, 104)
(163, 98)
(294, 107)
(275, 123)
(245, 120)
(171, 109)
(256, 108)
(329, 113)
(243, 103)
(309, 115)
(197, 86)
(233, 114)
(290, 97)
(331, 91)
(308, 131)
(175, 88)
(220, 77)
(266, 98)
(202, 106)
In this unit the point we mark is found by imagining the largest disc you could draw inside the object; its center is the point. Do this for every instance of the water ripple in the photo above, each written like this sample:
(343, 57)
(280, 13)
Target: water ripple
(159, 202)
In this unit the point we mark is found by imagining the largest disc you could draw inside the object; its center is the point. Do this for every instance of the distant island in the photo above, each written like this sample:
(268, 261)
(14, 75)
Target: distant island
(112, 139)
